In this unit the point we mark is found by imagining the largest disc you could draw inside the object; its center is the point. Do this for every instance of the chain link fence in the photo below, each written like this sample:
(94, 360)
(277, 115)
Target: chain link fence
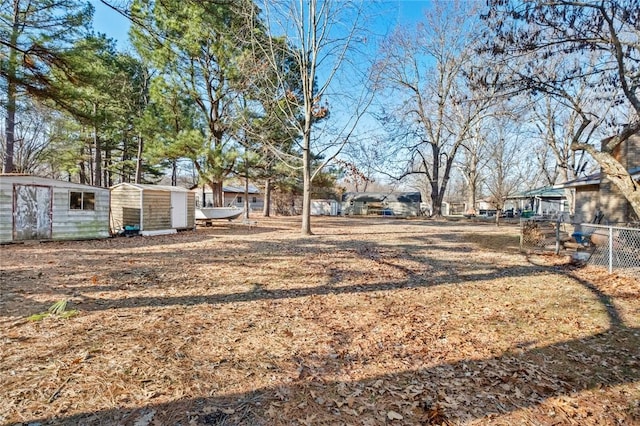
(616, 248)
(544, 234)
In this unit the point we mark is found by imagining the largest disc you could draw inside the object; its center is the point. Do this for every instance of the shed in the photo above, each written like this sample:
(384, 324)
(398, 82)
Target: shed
(152, 209)
(37, 208)
(325, 207)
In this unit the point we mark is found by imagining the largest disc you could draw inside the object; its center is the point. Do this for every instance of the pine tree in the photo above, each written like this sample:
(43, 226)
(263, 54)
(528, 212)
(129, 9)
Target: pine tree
(34, 35)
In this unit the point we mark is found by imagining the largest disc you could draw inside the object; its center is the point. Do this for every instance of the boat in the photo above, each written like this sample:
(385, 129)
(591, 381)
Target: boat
(214, 213)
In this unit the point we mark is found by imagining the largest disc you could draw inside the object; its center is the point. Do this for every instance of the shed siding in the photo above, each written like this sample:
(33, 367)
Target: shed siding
(125, 211)
(6, 211)
(191, 210)
(79, 224)
(147, 206)
(156, 210)
(67, 224)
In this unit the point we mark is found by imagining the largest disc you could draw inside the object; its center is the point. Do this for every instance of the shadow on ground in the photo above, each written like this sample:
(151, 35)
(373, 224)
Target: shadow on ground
(457, 392)
(462, 391)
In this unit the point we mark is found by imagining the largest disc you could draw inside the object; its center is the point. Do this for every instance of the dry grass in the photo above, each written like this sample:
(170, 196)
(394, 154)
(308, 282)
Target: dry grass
(367, 322)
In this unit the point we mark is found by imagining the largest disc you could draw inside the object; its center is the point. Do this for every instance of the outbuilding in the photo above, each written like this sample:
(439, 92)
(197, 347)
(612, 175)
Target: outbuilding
(327, 207)
(37, 208)
(151, 209)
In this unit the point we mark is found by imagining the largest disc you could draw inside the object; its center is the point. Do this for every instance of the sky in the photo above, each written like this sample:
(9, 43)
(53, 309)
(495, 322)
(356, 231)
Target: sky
(405, 13)
(115, 26)
(111, 23)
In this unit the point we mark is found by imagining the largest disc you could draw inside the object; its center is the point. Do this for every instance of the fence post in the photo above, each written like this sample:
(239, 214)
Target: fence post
(611, 249)
(521, 234)
(558, 236)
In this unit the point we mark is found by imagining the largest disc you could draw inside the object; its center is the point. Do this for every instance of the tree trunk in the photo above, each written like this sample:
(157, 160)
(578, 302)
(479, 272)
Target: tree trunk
(81, 167)
(306, 176)
(472, 181)
(139, 159)
(89, 159)
(216, 188)
(97, 180)
(266, 209)
(10, 120)
(436, 197)
(246, 194)
(107, 178)
(10, 124)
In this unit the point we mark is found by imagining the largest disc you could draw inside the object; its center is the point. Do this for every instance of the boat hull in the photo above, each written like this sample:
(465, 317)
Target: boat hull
(213, 213)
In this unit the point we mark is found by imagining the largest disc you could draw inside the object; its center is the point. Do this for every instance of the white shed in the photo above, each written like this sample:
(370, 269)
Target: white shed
(326, 207)
(36, 208)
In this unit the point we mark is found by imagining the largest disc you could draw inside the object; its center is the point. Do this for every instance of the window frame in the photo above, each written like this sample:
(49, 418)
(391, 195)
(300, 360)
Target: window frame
(87, 200)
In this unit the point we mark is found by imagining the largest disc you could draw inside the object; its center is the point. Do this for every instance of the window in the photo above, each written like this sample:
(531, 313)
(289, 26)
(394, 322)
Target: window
(239, 200)
(82, 200)
(255, 200)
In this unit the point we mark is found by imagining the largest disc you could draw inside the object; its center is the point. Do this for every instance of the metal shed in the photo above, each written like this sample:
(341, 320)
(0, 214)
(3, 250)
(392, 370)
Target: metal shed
(151, 209)
(325, 207)
(36, 208)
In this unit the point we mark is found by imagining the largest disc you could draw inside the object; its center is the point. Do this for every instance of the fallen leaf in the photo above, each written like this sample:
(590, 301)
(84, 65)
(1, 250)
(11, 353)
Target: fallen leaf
(392, 415)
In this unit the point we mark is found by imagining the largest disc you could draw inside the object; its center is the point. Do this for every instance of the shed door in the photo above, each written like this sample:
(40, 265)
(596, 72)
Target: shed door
(32, 212)
(178, 209)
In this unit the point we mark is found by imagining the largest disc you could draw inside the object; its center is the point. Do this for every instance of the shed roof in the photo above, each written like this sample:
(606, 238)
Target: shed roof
(151, 187)
(32, 179)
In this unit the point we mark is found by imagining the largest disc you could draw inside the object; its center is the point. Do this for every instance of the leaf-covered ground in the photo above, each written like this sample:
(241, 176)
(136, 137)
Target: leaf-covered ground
(368, 322)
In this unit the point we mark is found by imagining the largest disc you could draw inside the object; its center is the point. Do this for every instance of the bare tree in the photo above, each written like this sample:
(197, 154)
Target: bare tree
(473, 160)
(322, 37)
(31, 139)
(573, 32)
(504, 163)
(427, 72)
(558, 127)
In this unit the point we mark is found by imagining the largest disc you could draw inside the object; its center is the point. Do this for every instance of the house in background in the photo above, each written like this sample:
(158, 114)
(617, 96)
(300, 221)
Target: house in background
(151, 209)
(36, 208)
(597, 196)
(545, 201)
(379, 203)
(232, 196)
